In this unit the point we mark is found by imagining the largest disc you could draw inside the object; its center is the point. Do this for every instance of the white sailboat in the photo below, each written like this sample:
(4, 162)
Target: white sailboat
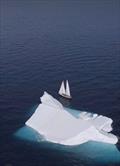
(65, 92)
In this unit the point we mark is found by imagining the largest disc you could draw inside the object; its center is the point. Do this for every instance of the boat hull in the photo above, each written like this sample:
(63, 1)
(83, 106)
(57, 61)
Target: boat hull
(66, 96)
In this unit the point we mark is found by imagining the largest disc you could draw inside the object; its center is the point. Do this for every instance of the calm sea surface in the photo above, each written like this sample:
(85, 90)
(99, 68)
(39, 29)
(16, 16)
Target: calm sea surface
(42, 43)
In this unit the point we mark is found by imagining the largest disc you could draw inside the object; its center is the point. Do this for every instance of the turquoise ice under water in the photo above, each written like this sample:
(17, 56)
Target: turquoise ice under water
(91, 152)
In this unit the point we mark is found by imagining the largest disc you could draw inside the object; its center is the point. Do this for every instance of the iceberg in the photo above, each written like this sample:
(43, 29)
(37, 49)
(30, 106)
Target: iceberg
(52, 120)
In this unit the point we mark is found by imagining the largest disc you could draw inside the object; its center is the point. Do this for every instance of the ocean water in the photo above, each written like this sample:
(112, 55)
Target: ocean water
(42, 43)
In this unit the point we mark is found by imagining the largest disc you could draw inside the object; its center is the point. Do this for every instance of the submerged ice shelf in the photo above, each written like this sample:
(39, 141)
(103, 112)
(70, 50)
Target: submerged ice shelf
(93, 151)
(58, 125)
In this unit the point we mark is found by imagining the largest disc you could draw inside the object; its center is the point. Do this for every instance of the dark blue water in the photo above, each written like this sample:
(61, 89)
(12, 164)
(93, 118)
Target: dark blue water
(42, 43)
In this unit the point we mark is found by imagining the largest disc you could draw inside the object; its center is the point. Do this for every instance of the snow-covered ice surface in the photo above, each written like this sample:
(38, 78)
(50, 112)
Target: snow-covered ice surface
(56, 124)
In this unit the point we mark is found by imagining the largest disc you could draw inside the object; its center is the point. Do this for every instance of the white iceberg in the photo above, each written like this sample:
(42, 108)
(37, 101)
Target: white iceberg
(57, 125)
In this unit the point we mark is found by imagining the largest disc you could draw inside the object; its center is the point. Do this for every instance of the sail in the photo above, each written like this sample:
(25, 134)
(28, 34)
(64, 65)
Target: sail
(62, 89)
(67, 89)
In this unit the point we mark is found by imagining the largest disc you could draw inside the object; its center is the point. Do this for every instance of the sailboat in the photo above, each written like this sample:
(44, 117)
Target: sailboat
(65, 92)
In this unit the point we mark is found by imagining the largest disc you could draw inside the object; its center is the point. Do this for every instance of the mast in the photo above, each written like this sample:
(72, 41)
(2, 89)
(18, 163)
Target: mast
(62, 88)
(67, 89)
